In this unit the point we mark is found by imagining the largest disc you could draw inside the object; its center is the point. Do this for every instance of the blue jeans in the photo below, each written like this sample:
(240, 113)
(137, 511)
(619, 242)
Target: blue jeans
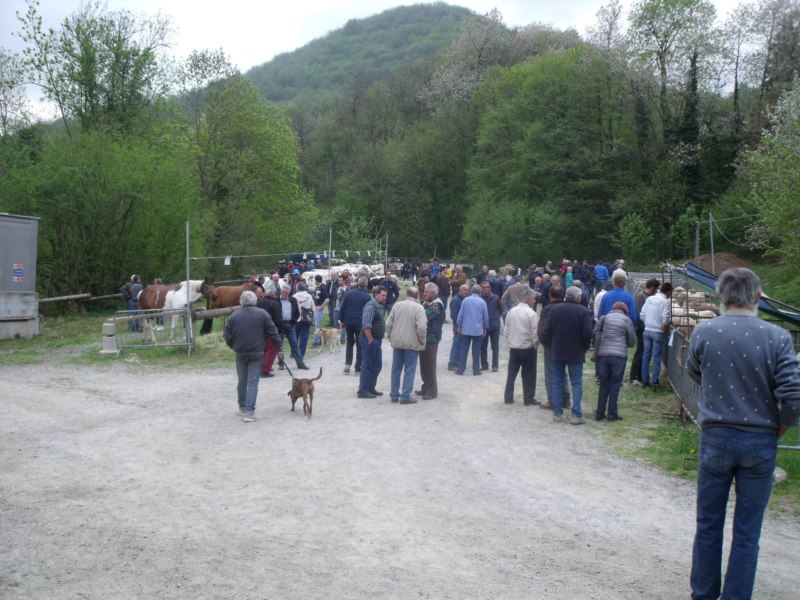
(575, 370)
(403, 361)
(371, 364)
(248, 370)
(464, 343)
(455, 349)
(335, 323)
(290, 334)
(748, 458)
(653, 348)
(302, 330)
(610, 370)
(548, 377)
(319, 314)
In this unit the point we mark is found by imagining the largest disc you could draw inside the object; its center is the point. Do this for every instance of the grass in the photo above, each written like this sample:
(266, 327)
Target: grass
(78, 339)
(672, 446)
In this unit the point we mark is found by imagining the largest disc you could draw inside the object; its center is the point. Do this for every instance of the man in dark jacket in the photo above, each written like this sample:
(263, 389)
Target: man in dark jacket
(350, 319)
(444, 292)
(268, 302)
(568, 332)
(455, 307)
(493, 335)
(246, 332)
(434, 313)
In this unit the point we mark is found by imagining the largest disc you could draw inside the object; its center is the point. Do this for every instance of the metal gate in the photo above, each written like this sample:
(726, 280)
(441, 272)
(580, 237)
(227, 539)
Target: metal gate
(148, 329)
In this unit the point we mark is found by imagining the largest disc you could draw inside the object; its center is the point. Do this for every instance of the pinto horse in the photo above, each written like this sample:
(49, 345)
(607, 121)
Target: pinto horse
(170, 297)
(223, 297)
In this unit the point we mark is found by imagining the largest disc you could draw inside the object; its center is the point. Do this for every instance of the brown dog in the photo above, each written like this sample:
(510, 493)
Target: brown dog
(332, 337)
(304, 388)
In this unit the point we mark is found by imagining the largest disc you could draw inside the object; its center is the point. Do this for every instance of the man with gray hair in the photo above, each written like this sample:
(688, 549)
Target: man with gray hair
(521, 332)
(246, 332)
(405, 328)
(568, 333)
(750, 395)
(618, 294)
(434, 316)
(473, 323)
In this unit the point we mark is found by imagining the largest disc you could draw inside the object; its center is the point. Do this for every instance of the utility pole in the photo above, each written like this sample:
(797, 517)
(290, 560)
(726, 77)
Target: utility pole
(697, 242)
(711, 233)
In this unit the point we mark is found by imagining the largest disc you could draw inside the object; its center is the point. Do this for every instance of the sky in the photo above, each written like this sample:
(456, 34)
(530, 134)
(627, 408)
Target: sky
(252, 33)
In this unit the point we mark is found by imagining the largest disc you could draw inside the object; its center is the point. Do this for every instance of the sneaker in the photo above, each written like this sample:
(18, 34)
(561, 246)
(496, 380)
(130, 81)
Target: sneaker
(409, 401)
(346, 369)
(395, 399)
(249, 418)
(459, 372)
(617, 418)
(557, 418)
(451, 368)
(635, 383)
(546, 406)
(242, 413)
(573, 420)
(494, 369)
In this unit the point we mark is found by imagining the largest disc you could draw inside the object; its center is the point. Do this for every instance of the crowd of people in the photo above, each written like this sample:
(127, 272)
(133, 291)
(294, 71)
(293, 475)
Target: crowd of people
(747, 368)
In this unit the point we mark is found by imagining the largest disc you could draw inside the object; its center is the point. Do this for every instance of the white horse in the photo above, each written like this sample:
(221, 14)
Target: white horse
(172, 297)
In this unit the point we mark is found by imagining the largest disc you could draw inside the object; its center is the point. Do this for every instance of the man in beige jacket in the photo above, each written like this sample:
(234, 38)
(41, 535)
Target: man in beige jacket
(406, 329)
(522, 324)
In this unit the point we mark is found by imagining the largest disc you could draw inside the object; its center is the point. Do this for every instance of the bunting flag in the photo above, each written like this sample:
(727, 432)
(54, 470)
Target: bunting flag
(333, 253)
(227, 261)
(368, 254)
(305, 256)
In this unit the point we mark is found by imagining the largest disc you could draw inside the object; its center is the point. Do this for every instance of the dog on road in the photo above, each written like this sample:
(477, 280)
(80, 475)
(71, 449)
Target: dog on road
(304, 388)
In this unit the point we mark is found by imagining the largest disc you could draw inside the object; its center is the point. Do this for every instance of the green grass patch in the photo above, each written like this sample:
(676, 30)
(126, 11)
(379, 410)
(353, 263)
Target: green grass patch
(647, 433)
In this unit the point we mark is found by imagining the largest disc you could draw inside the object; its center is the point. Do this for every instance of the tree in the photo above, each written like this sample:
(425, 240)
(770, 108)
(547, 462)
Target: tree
(101, 67)
(13, 101)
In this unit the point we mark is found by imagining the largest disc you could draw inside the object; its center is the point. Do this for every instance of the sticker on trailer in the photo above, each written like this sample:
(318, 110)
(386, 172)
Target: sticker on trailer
(18, 273)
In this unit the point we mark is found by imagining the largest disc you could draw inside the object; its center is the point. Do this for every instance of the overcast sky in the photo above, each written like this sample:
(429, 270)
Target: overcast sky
(252, 32)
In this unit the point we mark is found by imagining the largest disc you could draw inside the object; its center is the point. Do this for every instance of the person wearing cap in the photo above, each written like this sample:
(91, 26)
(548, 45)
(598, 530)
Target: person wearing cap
(616, 334)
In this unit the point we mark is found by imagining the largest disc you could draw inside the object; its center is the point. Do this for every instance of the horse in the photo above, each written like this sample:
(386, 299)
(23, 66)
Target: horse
(223, 297)
(171, 297)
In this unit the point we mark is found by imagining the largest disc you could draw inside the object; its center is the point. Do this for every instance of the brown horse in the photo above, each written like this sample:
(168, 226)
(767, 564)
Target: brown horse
(223, 297)
(169, 297)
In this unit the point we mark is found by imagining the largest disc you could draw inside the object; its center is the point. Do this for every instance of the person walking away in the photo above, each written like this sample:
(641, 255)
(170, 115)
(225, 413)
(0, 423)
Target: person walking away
(556, 296)
(350, 319)
(455, 307)
(617, 334)
(656, 316)
(473, 323)
(406, 328)
(493, 333)
(618, 294)
(373, 328)
(569, 332)
(246, 333)
(305, 303)
(133, 302)
(650, 288)
(750, 394)
(434, 317)
(521, 331)
(337, 299)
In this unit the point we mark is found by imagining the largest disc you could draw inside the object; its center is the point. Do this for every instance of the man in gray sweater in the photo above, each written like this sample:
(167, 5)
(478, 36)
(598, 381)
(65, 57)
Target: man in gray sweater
(747, 370)
(246, 333)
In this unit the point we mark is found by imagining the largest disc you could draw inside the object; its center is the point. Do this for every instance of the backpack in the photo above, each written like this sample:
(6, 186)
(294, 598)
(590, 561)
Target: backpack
(306, 315)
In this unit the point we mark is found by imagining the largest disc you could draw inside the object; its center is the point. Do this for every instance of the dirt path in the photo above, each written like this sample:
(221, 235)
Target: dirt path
(119, 483)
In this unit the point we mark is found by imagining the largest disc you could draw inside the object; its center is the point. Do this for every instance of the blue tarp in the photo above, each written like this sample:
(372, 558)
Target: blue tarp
(774, 308)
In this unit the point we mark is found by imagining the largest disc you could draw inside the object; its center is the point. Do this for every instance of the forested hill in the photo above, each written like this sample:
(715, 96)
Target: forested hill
(370, 48)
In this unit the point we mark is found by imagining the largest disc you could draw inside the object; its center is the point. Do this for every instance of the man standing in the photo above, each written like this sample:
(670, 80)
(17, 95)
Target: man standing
(246, 333)
(655, 314)
(493, 334)
(650, 288)
(473, 323)
(405, 329)
(569, 333)
(458, 279)
(444, 291)
(290, 313)
(266, 301)
(747, 370)
(618, 294)
(600, 276)
(350, 319)
(556, 296)
(455, 307)
(392, 291)
(521, 332)
(321, 300)
(373, 328)
(434, 316)
(513, 295)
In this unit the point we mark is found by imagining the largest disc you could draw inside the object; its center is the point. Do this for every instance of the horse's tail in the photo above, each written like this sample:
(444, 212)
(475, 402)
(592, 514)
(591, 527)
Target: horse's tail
(318, 376)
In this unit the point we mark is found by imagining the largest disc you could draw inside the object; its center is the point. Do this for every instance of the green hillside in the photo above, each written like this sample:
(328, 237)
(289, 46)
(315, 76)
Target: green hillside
(370, 49)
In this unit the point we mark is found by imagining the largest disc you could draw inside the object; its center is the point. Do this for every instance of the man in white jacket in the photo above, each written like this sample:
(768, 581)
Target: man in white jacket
(655, 315)
(522, 324)
(406, 328)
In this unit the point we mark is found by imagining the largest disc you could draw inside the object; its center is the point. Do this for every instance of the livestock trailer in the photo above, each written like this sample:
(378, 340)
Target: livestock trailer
(19, 303)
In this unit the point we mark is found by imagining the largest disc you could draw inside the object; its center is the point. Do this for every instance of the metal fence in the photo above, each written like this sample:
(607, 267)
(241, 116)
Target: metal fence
(149, 329)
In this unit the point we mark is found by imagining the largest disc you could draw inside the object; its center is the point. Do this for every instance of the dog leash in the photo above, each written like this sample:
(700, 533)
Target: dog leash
(283, 362)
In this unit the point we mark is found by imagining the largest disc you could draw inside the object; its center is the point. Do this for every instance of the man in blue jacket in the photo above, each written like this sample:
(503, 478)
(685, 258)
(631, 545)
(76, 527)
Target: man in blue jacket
(473, 323)
(350, 319)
